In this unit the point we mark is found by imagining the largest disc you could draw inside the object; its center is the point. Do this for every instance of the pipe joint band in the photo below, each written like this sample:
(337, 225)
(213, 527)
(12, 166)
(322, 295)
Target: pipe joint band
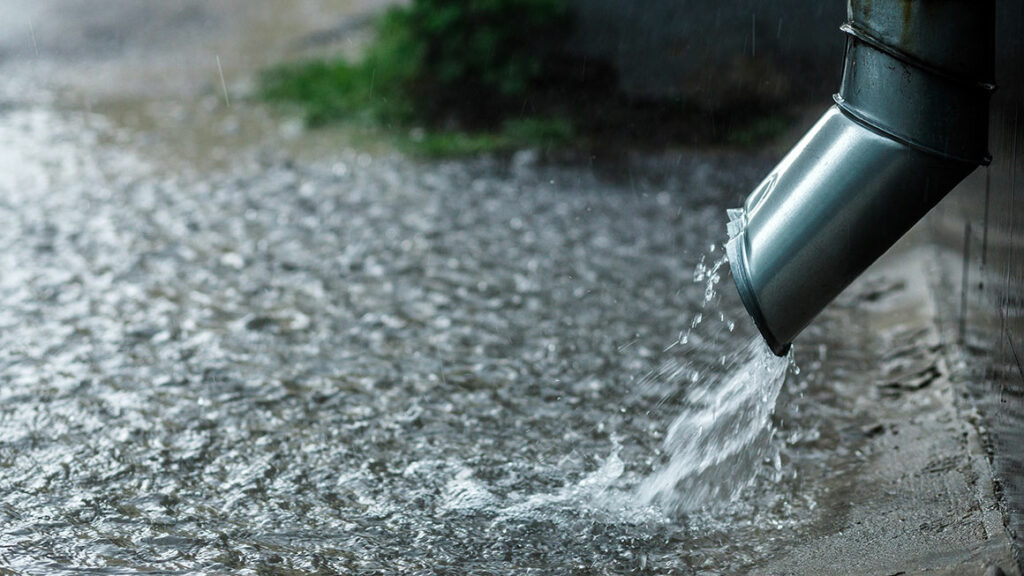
(915, 104)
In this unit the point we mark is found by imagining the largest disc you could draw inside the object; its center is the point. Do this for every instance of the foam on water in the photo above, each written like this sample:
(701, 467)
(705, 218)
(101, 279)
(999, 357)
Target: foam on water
(594, 491)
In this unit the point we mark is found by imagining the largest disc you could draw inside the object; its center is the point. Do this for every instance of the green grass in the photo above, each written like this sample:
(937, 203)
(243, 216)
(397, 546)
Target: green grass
(336, 91)
(324, 92)
(454, 144)
(373, 90)
(427, 62)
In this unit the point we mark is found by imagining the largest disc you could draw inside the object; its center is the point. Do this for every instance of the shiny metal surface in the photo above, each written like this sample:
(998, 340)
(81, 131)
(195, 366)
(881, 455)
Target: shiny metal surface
(830, 209)
(910, 122)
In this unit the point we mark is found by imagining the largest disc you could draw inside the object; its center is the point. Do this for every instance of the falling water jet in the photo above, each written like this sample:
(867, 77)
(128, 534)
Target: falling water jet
(717, 444)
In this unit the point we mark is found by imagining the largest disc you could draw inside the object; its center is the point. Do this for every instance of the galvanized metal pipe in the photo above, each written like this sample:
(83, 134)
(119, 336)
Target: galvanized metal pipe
(910, 121)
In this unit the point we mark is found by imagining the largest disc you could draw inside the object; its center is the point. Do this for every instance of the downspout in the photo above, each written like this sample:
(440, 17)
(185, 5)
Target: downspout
(909, 123)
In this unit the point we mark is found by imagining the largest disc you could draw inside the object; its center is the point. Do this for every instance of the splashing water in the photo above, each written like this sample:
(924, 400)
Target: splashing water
(715, 446)
(723, 437)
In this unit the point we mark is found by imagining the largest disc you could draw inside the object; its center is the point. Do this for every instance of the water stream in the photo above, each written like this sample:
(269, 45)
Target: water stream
(722, 439)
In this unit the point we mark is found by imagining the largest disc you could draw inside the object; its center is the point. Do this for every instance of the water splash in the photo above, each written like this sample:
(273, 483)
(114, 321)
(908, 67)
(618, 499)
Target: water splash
(720, 440)
(594, 490)
(716, 446)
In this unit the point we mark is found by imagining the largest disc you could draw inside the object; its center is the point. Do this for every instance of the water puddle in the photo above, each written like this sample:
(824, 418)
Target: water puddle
(356, 367)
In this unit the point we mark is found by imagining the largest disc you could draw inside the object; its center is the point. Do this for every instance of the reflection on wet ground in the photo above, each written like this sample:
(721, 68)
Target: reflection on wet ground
(358, 364)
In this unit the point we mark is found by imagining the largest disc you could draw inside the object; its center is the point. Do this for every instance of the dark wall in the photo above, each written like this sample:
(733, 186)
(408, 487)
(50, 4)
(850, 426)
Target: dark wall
(711, 50)
(983, 290)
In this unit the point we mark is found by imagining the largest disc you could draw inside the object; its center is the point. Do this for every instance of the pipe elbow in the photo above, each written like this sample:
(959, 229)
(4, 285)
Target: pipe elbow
(910, 121)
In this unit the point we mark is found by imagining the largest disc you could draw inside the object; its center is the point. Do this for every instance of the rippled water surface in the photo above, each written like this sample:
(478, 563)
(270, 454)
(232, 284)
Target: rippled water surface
(369, 365)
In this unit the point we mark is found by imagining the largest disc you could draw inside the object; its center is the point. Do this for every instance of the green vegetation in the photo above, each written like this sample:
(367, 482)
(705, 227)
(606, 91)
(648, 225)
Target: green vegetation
(459, 71)
(452, 78)
(488, 52)
(375, 89)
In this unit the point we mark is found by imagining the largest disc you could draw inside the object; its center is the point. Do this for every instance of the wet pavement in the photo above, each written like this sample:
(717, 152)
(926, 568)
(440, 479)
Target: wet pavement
(229, 347)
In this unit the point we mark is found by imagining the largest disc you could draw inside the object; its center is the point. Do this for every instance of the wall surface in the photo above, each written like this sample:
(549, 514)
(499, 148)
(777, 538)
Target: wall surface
(708, 52)
(682, 47)
(982, 222)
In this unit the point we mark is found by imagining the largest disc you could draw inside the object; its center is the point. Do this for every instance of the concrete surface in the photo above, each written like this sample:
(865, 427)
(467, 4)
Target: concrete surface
(980, 228)
(924, 504)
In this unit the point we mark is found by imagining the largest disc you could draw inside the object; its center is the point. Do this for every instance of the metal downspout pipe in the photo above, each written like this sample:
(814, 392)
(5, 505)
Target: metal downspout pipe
(909, 123)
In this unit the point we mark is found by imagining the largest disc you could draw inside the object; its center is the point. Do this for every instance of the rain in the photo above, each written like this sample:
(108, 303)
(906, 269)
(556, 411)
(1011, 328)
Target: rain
(236, 337)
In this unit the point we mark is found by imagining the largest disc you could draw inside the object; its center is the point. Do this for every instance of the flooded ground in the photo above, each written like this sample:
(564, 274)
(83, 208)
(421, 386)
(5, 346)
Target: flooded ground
(319, 357)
